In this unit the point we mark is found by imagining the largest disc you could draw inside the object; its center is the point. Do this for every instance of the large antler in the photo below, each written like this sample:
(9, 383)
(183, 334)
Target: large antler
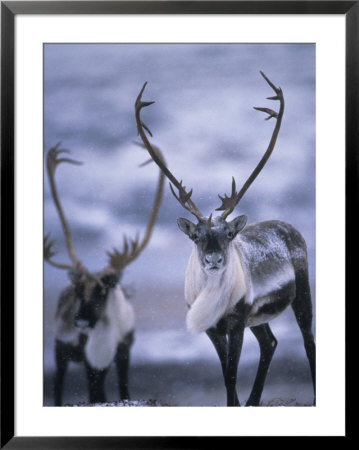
(52, 161)
(132, 248)
(183, 197)
(229, 203)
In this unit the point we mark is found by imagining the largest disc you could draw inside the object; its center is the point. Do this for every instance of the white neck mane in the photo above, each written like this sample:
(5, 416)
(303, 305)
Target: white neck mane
(118, 319)
(212, 297)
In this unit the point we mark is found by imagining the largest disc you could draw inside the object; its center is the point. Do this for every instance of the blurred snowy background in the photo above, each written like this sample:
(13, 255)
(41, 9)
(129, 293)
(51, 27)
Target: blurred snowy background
(204, 122)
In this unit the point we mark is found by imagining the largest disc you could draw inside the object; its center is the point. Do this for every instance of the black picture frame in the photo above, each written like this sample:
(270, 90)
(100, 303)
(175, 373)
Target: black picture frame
(9, 10)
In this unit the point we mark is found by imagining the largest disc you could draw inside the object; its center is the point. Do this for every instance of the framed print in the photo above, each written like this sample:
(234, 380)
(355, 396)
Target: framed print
(112, 334)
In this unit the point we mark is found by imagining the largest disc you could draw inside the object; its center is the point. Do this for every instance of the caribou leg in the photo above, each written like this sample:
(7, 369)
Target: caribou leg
(62, 361)
(267, 344)
(122, 360)
(235, 341)
(219, 340)
(96, 383)
(302, 307)
(235, 327)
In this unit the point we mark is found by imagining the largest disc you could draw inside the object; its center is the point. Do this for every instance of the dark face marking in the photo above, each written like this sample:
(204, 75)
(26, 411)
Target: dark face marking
(93, 295)
(212, 244)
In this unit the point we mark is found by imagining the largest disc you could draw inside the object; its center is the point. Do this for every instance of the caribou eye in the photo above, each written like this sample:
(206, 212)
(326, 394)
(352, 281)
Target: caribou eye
(230, 235)
(195, 237)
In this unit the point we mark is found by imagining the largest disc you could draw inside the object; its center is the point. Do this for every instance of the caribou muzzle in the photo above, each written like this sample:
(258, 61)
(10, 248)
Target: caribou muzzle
(82, 324)
(213, 262)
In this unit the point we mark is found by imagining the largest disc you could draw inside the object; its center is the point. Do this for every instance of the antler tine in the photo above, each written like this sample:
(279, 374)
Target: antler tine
(229, 203)
(49, 253)
(183, 197)
(119, 260)
(52, 161)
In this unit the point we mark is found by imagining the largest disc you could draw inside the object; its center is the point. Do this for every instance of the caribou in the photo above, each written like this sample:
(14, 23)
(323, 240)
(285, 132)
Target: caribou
(241, 275)
(94, 321)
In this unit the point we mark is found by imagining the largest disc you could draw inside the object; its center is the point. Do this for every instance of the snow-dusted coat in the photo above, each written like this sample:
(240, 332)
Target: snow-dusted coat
(258, 270)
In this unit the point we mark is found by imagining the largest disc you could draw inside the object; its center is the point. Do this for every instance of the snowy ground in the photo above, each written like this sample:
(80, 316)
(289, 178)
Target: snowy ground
(176, 368)
(195, 384)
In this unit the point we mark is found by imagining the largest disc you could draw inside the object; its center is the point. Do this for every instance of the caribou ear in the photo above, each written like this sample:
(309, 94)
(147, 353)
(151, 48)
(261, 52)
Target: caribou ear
(237, 224)
(186, 226)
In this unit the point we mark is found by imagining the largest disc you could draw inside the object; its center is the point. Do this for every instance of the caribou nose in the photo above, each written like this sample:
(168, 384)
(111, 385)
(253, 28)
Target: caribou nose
(82, 323)
(213, 258)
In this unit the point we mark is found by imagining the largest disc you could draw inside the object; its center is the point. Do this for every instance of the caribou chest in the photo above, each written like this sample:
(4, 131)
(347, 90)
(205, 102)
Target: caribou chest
(211, 297)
